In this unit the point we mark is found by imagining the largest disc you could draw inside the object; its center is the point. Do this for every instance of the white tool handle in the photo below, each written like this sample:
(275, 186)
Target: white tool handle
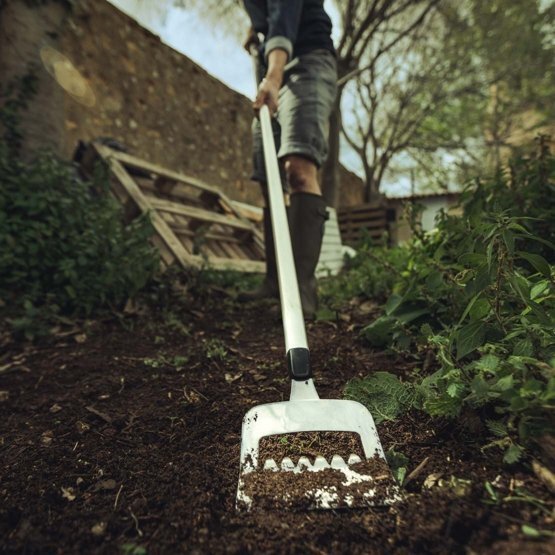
(291, 309)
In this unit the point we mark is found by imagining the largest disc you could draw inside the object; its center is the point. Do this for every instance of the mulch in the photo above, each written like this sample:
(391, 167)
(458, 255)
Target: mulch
(125, 439)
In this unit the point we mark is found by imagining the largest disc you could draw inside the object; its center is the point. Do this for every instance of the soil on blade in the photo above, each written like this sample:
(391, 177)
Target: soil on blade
(117, 439)
(363, 484)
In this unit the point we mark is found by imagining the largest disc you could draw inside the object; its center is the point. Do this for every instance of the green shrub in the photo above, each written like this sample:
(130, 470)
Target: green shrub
(63, 244)
(370, 274)
(479, 292)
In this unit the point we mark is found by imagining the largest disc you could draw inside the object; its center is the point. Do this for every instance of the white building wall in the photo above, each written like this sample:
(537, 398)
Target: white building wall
(432, 208)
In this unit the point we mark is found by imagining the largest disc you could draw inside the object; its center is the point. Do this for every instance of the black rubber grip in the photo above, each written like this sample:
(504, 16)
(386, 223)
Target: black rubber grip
(298, 362)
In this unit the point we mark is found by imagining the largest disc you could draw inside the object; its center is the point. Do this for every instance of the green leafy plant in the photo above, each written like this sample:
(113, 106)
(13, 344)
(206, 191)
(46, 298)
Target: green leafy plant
(133, 549)
(384, 394)
(398, 462)
(64, 247)
(479, 293)
(63, 243)
(215, 349)
(175, 322)
(205, 280)
(519, 495)
(14, 98)
(370, 274)
(178, 362)
(532, 532)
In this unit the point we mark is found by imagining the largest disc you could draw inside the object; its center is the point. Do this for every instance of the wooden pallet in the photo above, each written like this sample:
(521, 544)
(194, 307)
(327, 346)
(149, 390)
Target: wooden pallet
(195, 224)
(363, 220)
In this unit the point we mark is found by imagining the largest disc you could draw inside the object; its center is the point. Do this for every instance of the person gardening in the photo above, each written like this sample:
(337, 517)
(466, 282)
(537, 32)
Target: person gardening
(298, 82)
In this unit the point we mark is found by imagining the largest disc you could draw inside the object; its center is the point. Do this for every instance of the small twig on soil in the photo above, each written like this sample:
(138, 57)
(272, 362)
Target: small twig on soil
(117, 497)
(102, 415)
(150, 517)
(240, 353)
(124, 442)
(130, 423)
(315, 550)
(39, 381)
(188, 396)
(155, 533)
(416, 472)
(136, 521)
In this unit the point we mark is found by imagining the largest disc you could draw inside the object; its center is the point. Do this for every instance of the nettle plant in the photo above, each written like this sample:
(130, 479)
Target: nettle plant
(500, 352)
(479, 293)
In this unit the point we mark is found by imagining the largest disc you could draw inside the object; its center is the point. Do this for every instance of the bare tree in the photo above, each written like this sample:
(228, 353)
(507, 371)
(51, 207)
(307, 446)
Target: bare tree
(369, 30)
(406, 102)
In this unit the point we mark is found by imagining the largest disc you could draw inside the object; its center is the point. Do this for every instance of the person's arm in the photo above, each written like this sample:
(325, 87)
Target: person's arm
(284, 17)
(283, 25)
(268, 90)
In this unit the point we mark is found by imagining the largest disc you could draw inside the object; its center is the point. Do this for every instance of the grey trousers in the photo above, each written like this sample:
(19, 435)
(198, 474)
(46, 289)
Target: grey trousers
(305, 102)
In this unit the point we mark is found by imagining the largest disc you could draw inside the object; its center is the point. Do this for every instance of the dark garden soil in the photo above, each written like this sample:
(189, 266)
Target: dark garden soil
(125, 439)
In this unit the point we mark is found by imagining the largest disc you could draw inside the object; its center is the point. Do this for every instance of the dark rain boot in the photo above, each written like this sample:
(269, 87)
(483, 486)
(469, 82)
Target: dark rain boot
(307, 217)
(269, 288)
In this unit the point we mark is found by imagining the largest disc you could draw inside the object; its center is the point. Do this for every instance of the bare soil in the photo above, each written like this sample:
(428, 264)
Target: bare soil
(125, 439)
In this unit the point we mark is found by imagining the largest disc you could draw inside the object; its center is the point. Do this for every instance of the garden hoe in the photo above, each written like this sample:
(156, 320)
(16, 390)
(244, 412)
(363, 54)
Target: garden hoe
(305, 411)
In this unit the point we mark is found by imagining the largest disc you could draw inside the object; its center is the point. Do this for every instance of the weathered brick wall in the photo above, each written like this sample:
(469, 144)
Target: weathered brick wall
(156, 101)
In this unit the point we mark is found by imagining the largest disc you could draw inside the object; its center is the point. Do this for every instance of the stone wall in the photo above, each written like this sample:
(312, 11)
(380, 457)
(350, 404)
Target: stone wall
(23, 33)
(156, 101)
(103, 75)
(352, 188)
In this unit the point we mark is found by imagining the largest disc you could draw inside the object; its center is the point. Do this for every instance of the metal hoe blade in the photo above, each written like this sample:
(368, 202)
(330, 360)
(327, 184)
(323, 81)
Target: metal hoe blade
(312, 416)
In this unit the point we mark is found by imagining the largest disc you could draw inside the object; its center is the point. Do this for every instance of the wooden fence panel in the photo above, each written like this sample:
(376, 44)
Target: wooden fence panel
(364, 220)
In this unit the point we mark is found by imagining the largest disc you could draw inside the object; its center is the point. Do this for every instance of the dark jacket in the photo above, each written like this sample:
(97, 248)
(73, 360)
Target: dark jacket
(296, 26)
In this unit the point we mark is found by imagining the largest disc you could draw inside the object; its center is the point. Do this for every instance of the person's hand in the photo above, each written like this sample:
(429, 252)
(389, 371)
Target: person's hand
(268, 90)
(268, 93)
(251, 40)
